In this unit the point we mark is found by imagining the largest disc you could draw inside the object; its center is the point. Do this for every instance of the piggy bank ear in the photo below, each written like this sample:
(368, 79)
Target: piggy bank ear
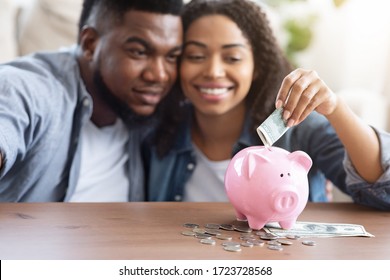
(251, 161)
(301, 158)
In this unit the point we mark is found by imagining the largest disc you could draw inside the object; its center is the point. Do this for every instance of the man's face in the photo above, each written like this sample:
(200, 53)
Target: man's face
(136, 61)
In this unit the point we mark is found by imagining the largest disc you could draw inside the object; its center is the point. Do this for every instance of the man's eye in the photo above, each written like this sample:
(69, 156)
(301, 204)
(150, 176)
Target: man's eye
(136, 52)
(173, 58)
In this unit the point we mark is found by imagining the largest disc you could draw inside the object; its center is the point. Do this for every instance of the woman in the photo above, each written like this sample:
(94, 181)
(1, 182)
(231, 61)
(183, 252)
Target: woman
(233, 76)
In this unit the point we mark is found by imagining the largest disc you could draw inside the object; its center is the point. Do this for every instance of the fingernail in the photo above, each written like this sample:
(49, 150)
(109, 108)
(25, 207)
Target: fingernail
(278, 104)
(286, 114)
(290, 123)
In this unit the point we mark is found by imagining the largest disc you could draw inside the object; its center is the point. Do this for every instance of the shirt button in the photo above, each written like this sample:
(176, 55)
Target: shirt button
(177, 197)
(190, 166)
(86, 102)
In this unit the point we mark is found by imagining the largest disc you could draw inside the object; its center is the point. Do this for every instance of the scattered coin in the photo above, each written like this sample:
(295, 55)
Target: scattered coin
(212, 226)
(226, 227)
(199, 230)
(224, 237)
(264, 237)
(203, 236)
(309, 243)
(190, 225)
(290, 236)
(188, 233)
(258, 243)
(247, 244)
(243, 238)
(231, 244)
(284, 242)
(207, 241)
(275, 247)
(242, 229)
(232, 248)
(213, 231)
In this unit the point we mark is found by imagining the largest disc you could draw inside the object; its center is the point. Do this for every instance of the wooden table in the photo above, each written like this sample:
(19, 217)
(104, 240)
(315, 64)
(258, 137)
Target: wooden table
(145, 231)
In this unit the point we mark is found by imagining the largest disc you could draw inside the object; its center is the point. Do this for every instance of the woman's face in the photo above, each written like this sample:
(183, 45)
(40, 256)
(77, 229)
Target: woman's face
(217, 65)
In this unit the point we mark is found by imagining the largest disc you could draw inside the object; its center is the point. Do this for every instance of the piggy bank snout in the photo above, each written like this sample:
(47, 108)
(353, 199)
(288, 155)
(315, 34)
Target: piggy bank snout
(285, 201)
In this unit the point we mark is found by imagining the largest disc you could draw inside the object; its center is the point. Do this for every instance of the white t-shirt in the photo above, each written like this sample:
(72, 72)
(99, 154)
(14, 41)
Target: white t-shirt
(103, 164)
(207, 182)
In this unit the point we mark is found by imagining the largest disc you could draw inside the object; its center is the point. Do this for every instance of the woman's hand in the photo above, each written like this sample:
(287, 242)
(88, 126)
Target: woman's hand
(302, 91)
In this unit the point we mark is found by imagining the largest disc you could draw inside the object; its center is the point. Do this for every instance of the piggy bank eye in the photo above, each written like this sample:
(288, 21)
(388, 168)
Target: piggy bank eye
(288, 174)
(281, 175)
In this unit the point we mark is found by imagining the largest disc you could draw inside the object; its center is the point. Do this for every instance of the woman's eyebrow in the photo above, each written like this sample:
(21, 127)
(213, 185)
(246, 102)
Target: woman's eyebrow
(227, 46)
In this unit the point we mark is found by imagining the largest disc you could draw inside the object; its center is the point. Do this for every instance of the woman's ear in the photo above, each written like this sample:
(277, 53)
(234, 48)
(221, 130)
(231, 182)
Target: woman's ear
(88, 40)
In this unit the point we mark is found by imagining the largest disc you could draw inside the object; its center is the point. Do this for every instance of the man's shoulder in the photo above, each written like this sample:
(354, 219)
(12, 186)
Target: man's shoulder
(42, 70)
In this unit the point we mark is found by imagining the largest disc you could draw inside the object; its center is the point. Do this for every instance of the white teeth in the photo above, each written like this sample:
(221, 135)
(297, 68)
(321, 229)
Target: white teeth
(213, 91)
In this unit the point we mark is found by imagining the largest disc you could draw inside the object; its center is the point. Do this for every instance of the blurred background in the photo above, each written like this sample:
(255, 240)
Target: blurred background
(346, 41)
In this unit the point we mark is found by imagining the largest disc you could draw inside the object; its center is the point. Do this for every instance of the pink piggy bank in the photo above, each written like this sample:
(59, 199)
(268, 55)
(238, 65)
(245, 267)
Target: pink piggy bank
(268, 185)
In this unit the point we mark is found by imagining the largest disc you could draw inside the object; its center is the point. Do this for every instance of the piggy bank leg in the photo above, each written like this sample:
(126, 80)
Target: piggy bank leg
(255, 223)
(287, 224)
(240, 217)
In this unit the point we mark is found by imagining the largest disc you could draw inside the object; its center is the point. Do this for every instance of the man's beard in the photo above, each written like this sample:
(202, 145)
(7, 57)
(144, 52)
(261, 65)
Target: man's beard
(118, 106)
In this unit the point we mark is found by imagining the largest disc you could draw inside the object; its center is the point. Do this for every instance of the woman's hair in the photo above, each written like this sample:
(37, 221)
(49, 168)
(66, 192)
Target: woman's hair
(271, 66)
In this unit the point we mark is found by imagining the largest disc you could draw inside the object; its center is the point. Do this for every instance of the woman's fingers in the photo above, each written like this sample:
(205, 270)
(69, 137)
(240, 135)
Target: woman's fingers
(302, 92)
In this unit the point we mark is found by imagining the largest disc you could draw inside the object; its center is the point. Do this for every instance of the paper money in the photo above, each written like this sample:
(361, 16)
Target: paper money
(272, 128)
(314, 229)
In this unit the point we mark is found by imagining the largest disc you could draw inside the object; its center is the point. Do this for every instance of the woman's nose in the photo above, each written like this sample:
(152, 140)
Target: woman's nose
(215, 68)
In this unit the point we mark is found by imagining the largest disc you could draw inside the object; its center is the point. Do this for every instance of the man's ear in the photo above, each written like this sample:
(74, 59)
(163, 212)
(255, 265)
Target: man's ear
(88, 41)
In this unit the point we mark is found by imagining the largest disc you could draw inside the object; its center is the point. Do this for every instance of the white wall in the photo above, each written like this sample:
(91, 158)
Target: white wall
(351, 52)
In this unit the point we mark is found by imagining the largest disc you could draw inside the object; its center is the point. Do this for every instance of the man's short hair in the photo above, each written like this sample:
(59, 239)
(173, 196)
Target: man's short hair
(115, 9)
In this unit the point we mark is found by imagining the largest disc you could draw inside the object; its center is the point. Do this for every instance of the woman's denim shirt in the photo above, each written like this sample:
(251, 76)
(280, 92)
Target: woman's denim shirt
(167, 176)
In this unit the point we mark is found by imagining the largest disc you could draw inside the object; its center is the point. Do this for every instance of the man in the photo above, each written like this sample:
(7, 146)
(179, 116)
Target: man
(71, 121)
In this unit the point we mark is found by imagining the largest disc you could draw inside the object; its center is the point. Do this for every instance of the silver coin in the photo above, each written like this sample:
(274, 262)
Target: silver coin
(232, 248)
(275, 247)
(309, 243)
(224, 237)
(212, 226)
(292, 236)
(247, 244)
(231, 244)
(273, 242)
(199, 230)
(243, 238)
(190, 225)
(284, 242)
(207, 241)
(188, 233)
(264, 237)
(257, 243)
(226, 227)
(266, 234)
(242, 229)
(213, 231)
(203, 236)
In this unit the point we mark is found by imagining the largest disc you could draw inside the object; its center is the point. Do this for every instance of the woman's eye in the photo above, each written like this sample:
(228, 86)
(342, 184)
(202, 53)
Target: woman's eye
(194, 57)
(233, 59)
(173, 58)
